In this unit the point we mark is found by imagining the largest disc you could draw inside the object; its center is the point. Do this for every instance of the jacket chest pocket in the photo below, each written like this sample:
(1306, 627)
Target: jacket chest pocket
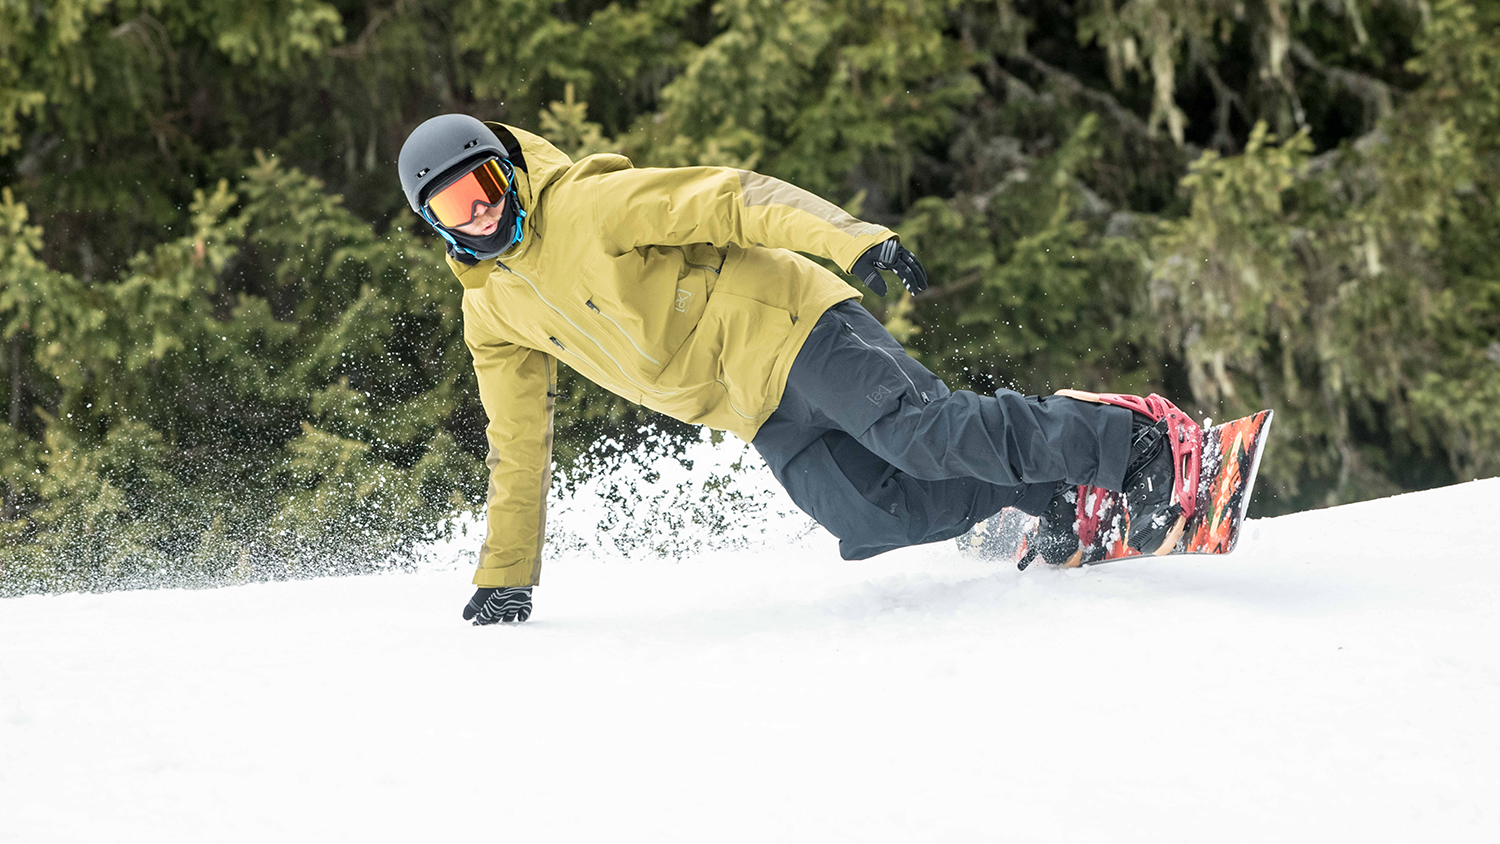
(651, 310)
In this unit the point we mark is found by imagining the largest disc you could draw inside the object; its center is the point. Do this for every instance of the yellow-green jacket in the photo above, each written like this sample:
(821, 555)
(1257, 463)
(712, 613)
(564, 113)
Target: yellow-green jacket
(675, 288)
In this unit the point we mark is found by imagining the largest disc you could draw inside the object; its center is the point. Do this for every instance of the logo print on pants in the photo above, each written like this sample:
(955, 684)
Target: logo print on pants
(881, 394)
(682, 300)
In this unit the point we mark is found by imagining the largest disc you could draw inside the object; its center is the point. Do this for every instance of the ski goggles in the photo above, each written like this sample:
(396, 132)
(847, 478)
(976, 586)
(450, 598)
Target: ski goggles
(457, 203)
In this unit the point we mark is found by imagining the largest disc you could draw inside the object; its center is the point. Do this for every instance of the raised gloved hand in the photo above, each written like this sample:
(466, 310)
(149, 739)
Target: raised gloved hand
(889, 255)
(490, 605)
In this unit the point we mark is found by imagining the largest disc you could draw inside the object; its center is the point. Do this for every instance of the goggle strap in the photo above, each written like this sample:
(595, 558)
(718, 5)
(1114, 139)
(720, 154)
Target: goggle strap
(520, 215)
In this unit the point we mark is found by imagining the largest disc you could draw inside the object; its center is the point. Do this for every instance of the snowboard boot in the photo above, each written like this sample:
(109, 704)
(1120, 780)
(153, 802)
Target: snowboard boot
(1160, 491)
(1155, 514)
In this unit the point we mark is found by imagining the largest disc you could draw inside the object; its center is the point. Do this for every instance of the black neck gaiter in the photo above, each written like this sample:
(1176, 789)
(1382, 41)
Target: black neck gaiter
(491, 245)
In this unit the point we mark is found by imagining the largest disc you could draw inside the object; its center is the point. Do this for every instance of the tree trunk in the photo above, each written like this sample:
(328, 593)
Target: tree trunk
(15, 381)
(8, 505)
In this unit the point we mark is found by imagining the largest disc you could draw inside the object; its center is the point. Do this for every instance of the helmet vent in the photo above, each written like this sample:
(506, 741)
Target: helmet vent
(425, 171)
(471, 143)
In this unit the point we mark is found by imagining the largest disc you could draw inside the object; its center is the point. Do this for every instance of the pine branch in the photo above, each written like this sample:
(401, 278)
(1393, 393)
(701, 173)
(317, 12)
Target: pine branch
(1073, 86)
(1375, 93)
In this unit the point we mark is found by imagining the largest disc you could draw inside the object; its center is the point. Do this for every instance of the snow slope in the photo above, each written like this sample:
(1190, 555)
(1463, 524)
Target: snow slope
(1329, 682)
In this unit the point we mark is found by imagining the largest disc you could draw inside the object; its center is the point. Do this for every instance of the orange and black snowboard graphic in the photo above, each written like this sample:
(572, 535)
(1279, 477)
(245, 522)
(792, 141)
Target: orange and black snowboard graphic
(1231, 458)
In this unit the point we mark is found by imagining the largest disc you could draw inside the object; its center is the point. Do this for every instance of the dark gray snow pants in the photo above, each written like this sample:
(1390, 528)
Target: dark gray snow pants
(883, 455)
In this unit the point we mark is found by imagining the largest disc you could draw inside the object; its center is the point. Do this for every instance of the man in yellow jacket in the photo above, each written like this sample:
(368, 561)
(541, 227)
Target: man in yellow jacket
(682, 290)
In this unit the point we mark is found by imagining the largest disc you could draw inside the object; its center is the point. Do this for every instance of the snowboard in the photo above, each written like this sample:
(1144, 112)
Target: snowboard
(1231, 458)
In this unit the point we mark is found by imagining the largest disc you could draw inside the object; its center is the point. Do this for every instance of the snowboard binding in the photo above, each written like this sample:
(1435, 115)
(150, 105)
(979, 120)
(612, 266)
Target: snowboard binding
(1208, 474)
(1102, 519)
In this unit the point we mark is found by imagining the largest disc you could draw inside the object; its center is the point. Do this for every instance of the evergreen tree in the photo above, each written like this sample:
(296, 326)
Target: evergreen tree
(228, 350)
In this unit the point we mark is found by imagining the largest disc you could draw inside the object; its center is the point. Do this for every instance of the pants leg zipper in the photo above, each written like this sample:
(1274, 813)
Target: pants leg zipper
(892, 359)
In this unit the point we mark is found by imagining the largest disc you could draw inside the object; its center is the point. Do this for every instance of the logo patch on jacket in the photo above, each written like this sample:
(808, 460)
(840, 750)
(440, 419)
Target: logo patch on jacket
(881, 394)
(682, 299)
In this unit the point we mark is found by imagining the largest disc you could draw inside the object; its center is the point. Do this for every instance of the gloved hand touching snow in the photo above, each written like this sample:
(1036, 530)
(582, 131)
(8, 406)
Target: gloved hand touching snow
(490, 605)
(892, 256)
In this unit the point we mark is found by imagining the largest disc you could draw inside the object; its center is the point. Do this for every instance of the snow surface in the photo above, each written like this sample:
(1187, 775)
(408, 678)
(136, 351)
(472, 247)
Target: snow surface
(1331, 681)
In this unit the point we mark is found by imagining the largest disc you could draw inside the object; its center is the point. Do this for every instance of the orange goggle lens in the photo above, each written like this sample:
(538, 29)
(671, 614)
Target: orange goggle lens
(458, 203)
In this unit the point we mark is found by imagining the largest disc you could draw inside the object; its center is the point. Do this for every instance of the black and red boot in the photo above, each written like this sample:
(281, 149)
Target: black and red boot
(1160, 492)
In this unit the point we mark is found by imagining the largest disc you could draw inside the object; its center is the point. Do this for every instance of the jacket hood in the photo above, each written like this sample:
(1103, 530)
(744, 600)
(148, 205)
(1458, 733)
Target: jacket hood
(538, 164)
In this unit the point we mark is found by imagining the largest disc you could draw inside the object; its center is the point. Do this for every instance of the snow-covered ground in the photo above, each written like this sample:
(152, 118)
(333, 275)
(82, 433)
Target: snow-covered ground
(1334, 680)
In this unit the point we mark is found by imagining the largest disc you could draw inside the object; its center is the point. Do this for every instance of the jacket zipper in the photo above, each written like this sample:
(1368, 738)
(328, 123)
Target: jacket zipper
(548, 362)
(561, 348)
(892, 359)
(583, 331)
(642, 352)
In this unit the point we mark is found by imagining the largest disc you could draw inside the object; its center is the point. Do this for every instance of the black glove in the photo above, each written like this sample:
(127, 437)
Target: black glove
(892, 256)
(490, 605)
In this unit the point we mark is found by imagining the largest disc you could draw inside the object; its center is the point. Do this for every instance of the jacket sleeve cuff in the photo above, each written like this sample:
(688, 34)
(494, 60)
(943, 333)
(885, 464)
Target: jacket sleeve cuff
(508, 577)
(856, 247)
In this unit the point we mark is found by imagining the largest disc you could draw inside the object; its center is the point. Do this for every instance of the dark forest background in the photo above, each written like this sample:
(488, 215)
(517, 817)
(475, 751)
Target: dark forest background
(228, 350)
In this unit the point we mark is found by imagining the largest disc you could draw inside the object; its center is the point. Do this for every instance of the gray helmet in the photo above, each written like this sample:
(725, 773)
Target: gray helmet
(436, 148)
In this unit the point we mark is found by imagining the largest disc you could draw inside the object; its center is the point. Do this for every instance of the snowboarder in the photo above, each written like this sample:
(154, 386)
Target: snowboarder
(682, 289)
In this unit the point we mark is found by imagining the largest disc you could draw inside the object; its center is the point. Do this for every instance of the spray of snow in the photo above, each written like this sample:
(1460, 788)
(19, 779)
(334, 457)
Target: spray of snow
(712, 497)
